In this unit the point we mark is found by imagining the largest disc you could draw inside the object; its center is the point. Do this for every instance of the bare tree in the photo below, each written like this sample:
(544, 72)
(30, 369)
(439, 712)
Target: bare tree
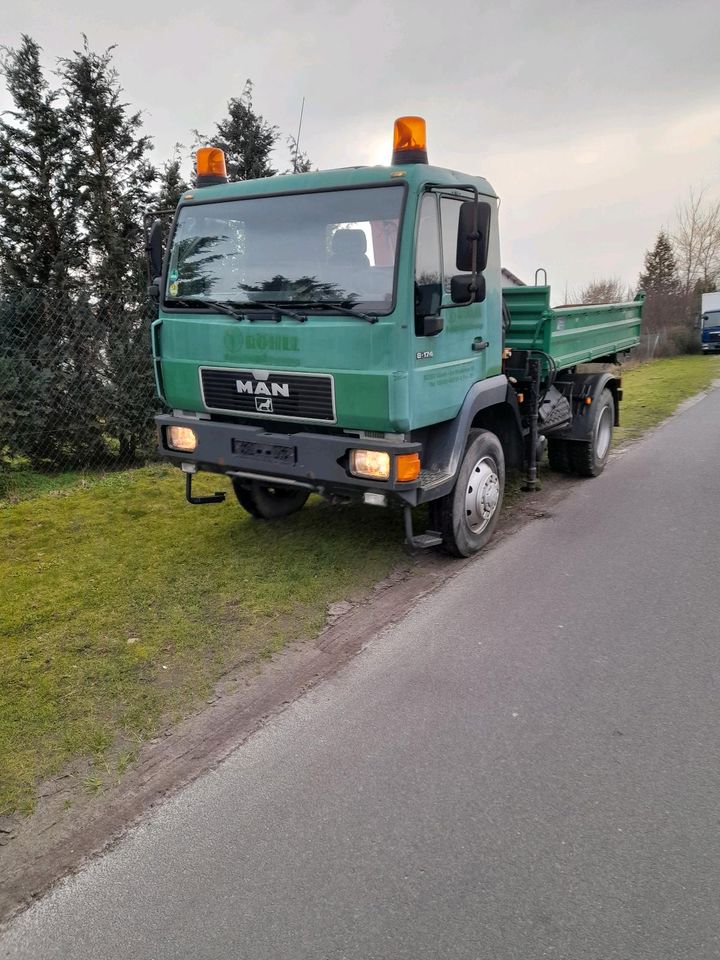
(696, 241)
(604, 290)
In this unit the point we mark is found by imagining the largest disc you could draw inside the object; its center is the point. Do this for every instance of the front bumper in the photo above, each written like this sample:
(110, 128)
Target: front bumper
(315, 461)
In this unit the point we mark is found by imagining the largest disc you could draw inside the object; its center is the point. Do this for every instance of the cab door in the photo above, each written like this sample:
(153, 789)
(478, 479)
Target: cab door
(445, 361)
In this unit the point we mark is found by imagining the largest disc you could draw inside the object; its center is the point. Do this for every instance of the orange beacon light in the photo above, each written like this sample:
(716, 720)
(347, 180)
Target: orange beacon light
(409, 141)
(210, 166)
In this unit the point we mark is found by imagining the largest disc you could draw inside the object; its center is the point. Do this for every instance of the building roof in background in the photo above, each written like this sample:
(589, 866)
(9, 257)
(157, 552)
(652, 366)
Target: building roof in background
(510, 279)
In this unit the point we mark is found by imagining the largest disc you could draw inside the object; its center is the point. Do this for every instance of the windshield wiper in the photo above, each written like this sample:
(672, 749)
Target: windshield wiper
(339, 308)
(228, 307)
(272, 306)
(218, 305)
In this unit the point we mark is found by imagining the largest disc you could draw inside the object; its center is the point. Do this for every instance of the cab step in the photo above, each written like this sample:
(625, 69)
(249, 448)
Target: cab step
(423, 541)
(420, 541)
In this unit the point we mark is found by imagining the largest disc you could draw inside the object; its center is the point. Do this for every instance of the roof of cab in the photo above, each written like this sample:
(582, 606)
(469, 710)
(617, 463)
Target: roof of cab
(414, 174)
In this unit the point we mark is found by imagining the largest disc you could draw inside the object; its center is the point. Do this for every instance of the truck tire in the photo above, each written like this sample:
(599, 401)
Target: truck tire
(588, 457)
(265, 502)
(467, 516)
(559, 455)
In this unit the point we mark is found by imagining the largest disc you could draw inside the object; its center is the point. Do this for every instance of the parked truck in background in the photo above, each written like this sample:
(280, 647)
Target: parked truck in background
(345, 332)
(710, 322)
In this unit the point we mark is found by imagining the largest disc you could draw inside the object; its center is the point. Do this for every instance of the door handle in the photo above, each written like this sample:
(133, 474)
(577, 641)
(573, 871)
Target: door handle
(479, 344)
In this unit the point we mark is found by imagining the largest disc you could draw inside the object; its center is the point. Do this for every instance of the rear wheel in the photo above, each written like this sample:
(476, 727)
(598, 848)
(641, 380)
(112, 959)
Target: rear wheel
(588, 457)
(265, 502)
(467, 516)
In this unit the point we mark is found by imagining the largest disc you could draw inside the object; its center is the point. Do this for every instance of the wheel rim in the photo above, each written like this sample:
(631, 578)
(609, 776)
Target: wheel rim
(482, 495)
(604, 434)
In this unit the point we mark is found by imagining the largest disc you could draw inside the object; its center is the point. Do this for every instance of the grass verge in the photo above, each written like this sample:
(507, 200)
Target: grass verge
(652, 391)
(22, 483)
(121, 605)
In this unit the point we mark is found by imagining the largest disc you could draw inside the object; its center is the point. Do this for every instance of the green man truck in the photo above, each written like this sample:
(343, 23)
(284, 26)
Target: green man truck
(345, 332)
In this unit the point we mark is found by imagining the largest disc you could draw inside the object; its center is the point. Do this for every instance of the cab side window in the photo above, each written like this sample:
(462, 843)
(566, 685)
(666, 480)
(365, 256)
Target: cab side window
(449, 216)
(428, 272)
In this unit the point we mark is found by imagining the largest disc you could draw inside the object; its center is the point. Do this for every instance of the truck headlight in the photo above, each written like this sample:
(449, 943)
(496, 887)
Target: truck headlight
(374, 464)
(181, 438)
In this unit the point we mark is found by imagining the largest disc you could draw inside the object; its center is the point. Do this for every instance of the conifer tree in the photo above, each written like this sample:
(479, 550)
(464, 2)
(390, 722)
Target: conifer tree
(660, 273)
(114, 173)
(246, 138)
(38, 260)
(300, 162)
(171, 182)
(114, 180)
(37, 204)
(665, 305)
(170, 187)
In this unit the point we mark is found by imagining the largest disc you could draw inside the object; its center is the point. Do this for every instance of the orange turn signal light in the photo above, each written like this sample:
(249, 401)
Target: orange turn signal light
(210, 162)
(410, 140)
(407, 467)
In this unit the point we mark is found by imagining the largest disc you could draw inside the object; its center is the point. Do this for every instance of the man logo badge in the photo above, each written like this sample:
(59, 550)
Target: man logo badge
(263, 405)
(261, 389)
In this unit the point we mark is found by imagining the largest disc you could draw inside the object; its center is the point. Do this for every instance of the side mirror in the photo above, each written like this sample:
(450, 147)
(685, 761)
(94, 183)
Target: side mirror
(465, 288)
(468, 240)
(154, 250)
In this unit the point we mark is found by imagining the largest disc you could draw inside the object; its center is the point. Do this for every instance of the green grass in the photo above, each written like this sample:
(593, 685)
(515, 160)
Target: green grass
(23, 483)
(121, 605)
(652, 391)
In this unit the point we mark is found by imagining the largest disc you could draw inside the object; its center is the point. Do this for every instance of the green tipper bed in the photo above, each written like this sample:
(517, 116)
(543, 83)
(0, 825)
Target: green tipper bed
(574, 334)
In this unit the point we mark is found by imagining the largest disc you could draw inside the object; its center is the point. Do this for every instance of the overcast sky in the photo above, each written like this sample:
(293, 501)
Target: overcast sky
(590, 119)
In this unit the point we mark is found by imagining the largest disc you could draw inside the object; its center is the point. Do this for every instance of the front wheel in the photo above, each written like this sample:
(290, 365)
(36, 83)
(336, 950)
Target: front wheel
(467, 516)
(265, 502)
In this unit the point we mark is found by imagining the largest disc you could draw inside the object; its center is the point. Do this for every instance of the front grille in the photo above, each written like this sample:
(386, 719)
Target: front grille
(286, 396)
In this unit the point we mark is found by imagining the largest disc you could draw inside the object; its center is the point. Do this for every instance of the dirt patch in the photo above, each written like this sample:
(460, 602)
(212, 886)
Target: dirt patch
(71, 824)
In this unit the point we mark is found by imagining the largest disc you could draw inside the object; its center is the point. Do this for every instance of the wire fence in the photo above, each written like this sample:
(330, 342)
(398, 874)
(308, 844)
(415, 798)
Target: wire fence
(666, 342)
(77, 389)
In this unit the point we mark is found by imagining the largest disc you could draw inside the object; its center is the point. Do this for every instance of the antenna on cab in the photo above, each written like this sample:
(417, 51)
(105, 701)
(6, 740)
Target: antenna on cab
(297, 138)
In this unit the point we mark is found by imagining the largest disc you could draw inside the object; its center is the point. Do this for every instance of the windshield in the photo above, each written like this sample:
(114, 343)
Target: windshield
(328, 246)
(711, 319)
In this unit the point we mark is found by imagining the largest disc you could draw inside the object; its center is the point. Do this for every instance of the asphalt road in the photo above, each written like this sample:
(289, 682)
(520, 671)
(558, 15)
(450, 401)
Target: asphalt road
(527, 766)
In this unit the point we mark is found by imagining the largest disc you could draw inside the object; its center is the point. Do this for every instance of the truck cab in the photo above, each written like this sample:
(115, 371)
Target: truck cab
(342, 332)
